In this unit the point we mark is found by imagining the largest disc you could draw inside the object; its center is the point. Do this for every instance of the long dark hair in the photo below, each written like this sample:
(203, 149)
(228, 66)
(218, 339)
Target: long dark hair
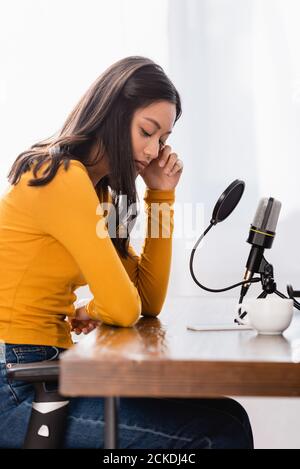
(103, 115)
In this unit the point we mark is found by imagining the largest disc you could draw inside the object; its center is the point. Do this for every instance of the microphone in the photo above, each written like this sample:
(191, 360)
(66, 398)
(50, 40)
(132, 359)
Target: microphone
(261, 236)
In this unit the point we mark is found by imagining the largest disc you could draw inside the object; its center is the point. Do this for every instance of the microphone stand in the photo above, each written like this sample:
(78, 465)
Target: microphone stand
(292, 294)
(268, 283)
(269, 286)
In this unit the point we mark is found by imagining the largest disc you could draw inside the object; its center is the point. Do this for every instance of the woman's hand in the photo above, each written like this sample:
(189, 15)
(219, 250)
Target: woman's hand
(81, 322)
(163, 172)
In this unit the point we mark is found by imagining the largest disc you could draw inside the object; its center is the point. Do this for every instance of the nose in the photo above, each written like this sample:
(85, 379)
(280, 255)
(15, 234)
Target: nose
(152, 151)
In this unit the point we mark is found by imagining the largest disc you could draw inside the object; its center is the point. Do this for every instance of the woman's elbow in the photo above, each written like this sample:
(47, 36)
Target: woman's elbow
(152, 312)
(127, 316)
(127, 320)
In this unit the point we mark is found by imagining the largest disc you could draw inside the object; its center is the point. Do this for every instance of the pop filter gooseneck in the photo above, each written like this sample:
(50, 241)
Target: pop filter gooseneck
(223, 208)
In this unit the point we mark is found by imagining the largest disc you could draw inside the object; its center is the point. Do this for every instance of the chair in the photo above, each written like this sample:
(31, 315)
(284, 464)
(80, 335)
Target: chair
(49, 412)
(49, 409)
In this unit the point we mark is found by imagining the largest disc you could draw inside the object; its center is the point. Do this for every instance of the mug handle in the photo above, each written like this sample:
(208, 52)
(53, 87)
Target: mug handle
(242, 316)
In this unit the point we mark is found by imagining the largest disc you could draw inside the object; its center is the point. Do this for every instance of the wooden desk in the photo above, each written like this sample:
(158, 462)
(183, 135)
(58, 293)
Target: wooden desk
(160, 357)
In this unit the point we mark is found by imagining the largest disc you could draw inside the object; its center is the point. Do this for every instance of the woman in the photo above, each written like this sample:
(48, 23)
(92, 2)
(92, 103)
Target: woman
(55, 237)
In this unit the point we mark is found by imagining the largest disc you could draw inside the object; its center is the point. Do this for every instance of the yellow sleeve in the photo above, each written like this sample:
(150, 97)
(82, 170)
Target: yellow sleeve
(68, 209)
(150, 272)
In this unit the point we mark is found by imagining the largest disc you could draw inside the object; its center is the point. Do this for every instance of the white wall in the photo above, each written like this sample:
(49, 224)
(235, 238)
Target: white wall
(52, 50)
(237, 64)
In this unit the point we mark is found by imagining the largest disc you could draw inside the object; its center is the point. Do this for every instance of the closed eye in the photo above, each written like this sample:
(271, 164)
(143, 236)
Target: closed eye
(146, 134)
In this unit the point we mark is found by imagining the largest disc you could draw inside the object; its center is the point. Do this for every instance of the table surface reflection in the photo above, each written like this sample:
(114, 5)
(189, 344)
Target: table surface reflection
(161, 357)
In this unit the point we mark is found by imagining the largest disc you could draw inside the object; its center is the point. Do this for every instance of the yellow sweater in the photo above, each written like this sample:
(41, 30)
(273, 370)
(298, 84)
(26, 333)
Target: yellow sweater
(49, 247)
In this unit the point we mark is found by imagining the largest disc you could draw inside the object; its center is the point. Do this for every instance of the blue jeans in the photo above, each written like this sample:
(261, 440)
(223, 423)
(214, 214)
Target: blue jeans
(147, 423)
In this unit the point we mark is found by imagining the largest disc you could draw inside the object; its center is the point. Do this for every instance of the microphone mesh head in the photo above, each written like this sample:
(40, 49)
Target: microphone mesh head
(267, 214)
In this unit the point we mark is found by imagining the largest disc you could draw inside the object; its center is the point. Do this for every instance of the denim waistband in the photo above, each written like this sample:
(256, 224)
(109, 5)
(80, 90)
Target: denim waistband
(27, 353)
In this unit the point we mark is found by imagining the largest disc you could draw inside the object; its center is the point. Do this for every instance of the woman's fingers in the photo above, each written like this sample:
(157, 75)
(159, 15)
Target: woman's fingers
(170, 163)
(91, 326)
(173, 165)
(165, 152)
(178, 166)
(83, 326)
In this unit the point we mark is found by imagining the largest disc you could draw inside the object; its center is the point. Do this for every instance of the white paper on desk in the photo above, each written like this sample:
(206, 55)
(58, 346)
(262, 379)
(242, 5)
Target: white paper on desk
(218, 327)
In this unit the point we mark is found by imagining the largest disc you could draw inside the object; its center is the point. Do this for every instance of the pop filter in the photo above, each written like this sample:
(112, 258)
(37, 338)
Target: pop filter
(228, 201)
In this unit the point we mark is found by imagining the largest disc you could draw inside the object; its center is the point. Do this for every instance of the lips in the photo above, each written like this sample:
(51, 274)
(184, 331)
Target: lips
(143, 165)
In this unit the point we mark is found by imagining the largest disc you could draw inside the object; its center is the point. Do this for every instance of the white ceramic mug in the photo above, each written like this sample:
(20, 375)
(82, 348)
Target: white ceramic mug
(269, 316)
